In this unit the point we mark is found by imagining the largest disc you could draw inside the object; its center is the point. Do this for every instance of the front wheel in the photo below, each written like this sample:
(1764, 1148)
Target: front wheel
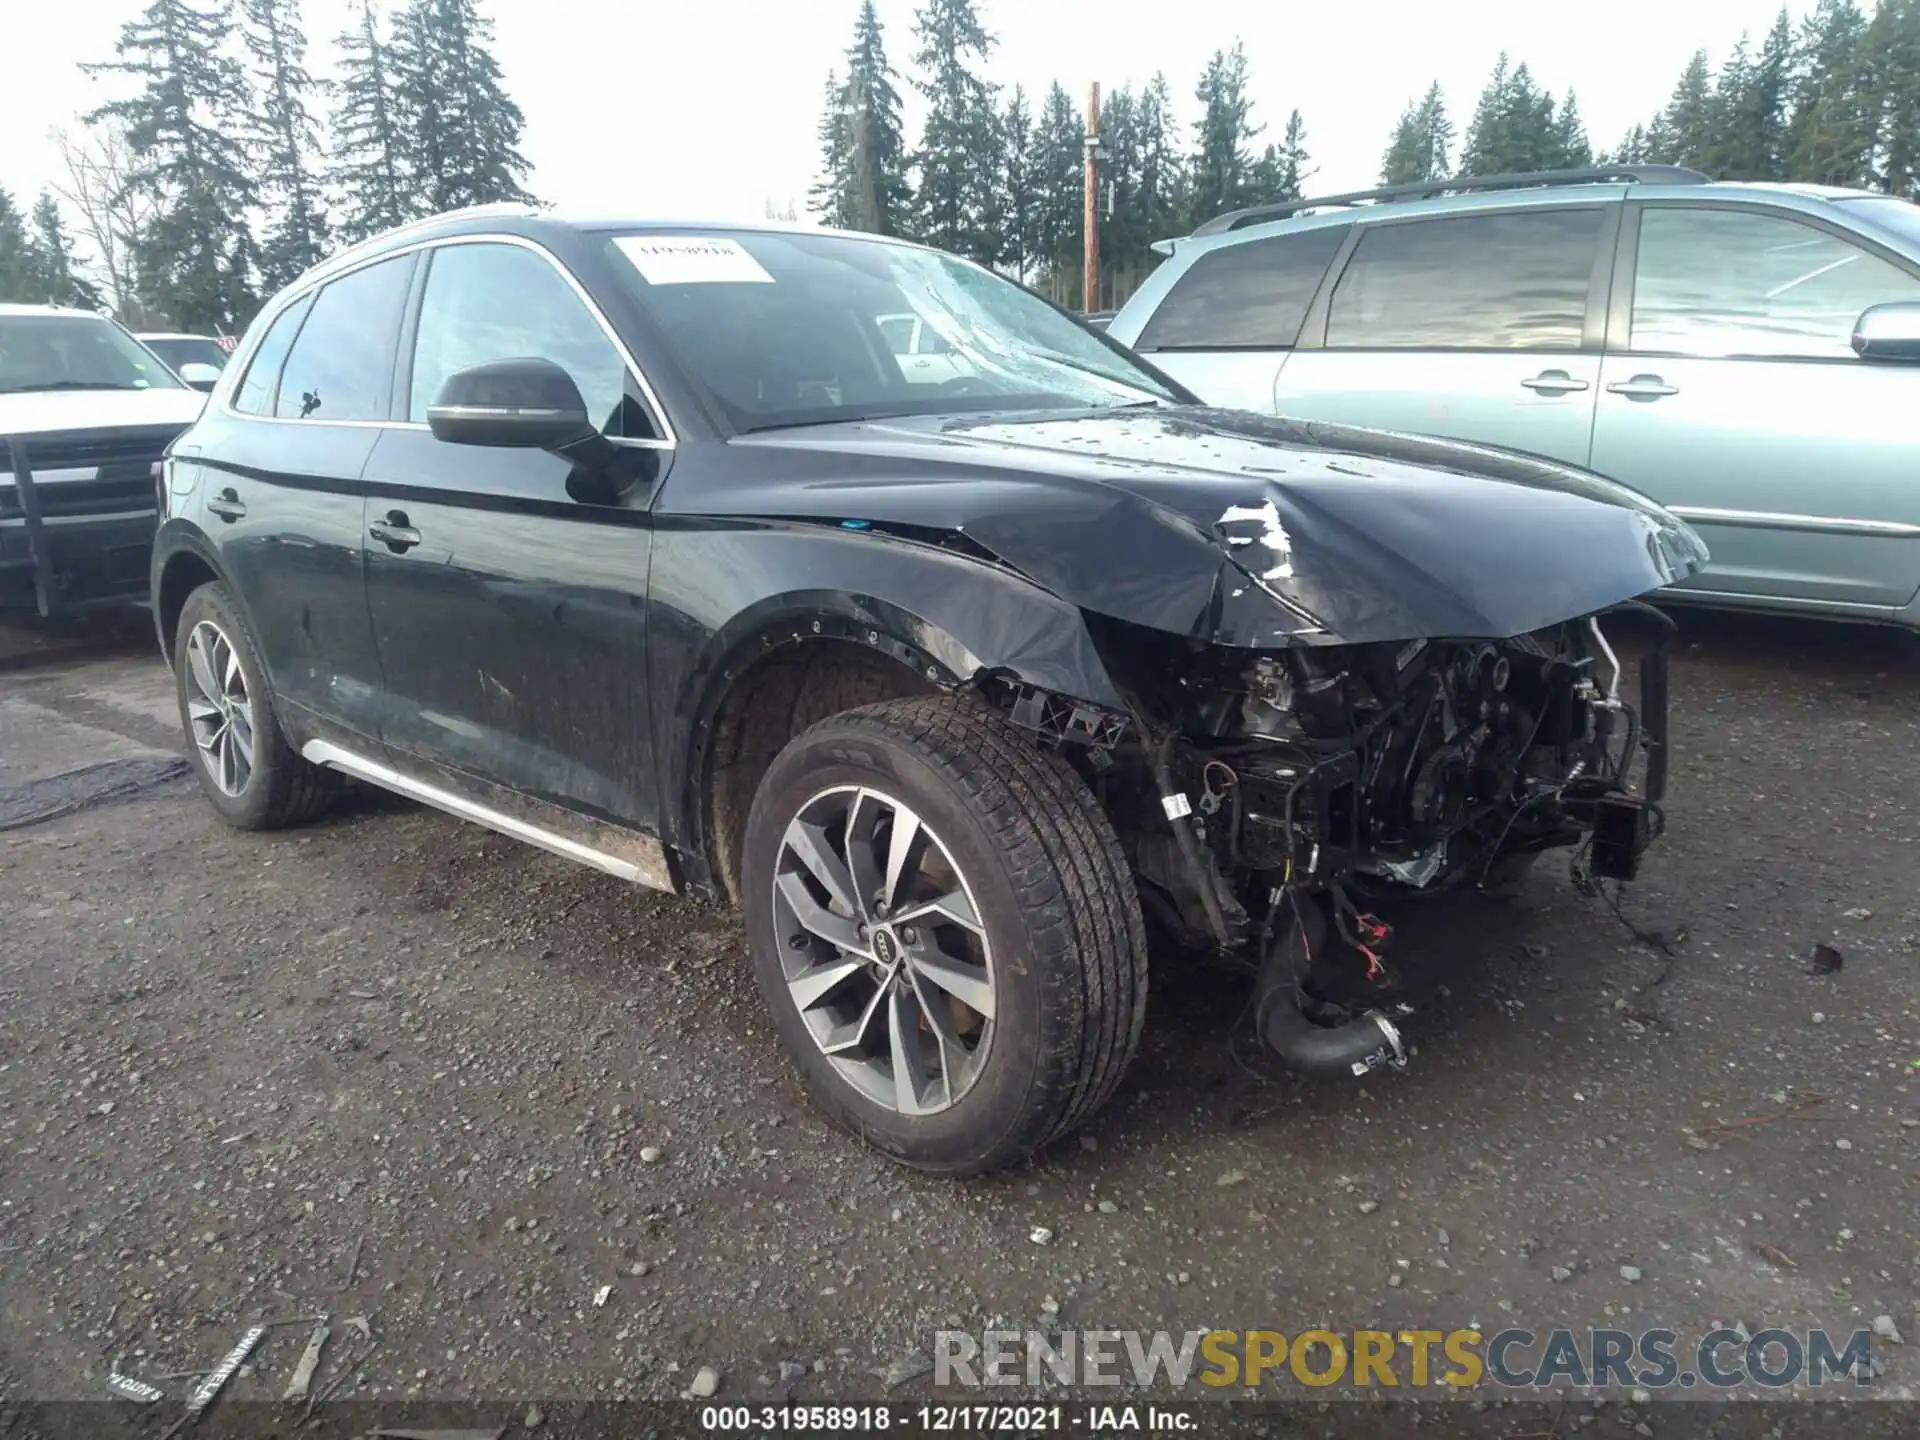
(944, 927)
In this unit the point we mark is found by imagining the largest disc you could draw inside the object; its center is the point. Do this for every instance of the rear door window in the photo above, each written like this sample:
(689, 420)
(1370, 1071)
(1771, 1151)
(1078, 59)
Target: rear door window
(1253, 295)
(1496, 281)
(257, 391)
(341, 365)
(1736, 283)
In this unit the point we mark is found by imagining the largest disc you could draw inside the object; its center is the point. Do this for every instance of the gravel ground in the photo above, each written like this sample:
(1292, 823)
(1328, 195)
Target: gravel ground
(232, 1066)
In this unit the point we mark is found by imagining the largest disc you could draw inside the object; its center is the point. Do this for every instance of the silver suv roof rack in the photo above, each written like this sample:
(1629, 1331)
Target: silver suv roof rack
(1459, 185)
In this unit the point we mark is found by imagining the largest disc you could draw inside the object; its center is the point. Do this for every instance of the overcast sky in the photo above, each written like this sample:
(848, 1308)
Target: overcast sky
(706, 108)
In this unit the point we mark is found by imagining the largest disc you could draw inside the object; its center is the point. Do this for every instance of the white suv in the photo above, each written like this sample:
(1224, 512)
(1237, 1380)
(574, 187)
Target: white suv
(86, 412)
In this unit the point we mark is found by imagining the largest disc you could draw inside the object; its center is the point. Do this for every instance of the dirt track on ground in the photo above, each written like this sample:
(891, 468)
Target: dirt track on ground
(230, 1064)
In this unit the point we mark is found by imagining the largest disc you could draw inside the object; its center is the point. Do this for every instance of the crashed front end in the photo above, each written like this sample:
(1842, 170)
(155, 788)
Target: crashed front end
(1277, 802)
(1315, 738)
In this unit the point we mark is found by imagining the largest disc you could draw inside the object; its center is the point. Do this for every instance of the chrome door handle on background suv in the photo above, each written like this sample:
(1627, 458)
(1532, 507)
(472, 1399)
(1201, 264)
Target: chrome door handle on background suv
(1554, 382)
(227, 505)
(394, 532)
(1643, 387)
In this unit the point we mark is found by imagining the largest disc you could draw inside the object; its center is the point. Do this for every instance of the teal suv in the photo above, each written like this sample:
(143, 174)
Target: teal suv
(1746, 355)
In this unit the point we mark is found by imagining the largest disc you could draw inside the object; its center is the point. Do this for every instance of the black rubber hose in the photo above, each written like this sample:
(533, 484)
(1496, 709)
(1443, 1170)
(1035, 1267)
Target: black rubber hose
(1362, 1045)
(1358, 1047)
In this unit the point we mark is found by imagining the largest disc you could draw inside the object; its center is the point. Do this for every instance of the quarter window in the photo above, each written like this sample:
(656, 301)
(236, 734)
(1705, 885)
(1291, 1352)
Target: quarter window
(341, 365)
(1253, 295)
(491, 302)
(1497, 281)
(256, 393)
(1731, 283)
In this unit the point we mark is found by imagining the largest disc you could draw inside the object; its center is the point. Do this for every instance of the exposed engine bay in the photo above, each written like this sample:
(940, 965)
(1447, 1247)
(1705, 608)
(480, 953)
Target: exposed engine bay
(1269, 801)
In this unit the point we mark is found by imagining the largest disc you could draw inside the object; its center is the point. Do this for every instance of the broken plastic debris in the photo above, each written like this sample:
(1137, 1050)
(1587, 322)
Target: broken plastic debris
(601, 1295)
(308, 1363)
(128, 1388)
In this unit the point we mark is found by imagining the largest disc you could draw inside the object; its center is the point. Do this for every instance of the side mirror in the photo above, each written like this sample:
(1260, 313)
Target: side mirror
(1888, 332)
(530, 404)
(200, 376)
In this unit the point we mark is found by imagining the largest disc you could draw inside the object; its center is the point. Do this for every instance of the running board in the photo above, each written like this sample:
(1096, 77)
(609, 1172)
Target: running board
(639, 858)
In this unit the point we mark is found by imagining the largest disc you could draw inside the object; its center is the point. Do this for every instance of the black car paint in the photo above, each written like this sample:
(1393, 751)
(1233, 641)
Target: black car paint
(576, 653)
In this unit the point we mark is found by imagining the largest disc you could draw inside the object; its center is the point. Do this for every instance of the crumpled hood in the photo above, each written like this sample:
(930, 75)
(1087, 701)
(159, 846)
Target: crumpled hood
(1242, 530)
(43, 412)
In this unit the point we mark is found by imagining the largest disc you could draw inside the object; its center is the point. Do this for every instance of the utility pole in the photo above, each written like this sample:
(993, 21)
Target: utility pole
(1090, 228)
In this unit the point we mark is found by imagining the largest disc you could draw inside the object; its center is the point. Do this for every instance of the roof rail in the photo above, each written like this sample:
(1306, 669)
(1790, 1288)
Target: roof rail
(1459, 185)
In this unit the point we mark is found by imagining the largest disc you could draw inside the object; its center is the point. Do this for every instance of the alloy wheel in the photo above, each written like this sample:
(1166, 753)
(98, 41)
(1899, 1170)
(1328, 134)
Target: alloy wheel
(883, 950)
(219, 709)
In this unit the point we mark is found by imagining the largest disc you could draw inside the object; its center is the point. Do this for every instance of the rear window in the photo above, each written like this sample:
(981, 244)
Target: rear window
(1248, 296)
(1499, 281)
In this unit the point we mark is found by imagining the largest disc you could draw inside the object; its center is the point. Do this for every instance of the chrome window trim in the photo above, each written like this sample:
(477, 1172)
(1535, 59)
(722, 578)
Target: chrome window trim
(223, 395)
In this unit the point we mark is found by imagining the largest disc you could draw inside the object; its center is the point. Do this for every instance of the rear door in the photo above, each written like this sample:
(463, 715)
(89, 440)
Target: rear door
(510, 617)
(282, 495)
(1483, 326)
(1227, 323)
(1731, 393)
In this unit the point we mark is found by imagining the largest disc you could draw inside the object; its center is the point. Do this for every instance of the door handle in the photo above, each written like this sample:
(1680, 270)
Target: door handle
(227, 505)
(394, 532)
(1554, 382)
(1643, 387)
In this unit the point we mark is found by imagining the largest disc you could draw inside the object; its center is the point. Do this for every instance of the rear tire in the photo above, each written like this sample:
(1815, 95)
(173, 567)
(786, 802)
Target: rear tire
(1053, 970)
(248, 772)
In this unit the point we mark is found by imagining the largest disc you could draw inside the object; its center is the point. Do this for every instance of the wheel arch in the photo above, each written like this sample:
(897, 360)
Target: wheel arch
(182, 563)
(793, 659)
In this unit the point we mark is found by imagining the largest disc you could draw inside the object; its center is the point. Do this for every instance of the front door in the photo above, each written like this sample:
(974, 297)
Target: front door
(1482, 327)
(511, 618)
(1731, 393)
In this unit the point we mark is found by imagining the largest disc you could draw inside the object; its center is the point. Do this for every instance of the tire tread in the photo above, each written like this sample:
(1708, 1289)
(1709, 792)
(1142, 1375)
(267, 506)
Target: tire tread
(1073, 882)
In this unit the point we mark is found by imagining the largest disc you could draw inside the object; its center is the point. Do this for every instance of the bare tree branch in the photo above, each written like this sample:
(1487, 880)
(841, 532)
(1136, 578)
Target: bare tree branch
(112, 216)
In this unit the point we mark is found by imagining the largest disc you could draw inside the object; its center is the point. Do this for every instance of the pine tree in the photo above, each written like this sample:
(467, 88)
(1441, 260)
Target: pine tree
(1159, 196)
(956, 204)
(18, 280)
(832, 195)
(1483, 152)
(462, 129)
(370, 159)
(1422, 141)
(1830, 134)
(1059, 187)
(1020, 242)
(195, 260)
(1569, 149)
(51, 248)
(1899, 117)
(1296, 166)
(1222, 170)
(1123, 244)
(878, 153)
(285, 139)
(1683, 133)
